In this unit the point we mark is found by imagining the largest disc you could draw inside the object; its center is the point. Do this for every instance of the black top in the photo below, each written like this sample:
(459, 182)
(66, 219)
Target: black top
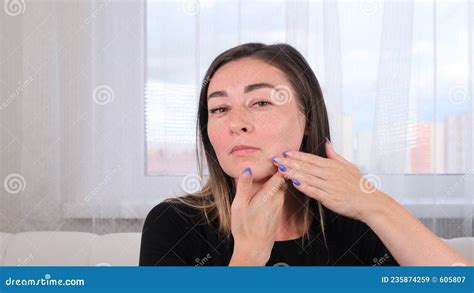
(176, 235)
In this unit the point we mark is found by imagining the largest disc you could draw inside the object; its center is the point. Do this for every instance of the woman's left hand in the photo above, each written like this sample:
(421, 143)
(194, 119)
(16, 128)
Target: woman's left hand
(335, 182)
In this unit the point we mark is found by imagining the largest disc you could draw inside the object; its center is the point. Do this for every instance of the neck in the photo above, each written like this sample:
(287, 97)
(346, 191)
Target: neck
(291, 221)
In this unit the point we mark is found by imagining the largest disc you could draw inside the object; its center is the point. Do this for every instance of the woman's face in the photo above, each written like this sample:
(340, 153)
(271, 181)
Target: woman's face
(252, 103)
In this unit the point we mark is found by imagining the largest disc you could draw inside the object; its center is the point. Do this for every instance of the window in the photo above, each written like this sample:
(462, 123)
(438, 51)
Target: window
(435, 135)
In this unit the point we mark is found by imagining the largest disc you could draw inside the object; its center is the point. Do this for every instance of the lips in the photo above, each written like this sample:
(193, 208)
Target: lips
(243, 147)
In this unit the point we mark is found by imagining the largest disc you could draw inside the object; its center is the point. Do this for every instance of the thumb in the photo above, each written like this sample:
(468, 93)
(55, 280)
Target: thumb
(244, 185)
(331, 153)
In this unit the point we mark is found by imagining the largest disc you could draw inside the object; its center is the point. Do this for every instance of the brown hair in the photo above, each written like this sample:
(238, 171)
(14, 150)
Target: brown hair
(215, 198)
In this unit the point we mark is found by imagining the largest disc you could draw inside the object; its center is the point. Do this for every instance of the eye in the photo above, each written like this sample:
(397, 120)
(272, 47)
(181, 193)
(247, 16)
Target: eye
(213, 111)
(263, 102)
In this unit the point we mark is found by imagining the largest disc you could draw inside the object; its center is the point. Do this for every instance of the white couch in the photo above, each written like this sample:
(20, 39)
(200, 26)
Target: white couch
(58, 248)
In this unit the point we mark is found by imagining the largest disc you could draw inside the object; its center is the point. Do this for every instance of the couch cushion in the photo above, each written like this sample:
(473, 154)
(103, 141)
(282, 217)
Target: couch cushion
(4, 238)
(49, 248)
(117, 249)
(465, 246)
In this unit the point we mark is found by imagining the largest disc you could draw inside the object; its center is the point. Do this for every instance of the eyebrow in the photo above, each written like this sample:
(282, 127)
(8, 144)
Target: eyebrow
(249, 88)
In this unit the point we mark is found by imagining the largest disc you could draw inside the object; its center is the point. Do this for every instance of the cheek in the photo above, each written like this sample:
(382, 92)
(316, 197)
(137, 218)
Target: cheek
(283, 131)
(217, 138)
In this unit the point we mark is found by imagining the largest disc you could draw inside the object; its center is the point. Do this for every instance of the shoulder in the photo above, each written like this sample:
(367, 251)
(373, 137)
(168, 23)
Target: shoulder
(171, 212)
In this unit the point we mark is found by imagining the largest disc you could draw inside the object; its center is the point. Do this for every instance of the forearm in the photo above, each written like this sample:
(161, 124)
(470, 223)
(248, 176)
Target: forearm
(407, 239)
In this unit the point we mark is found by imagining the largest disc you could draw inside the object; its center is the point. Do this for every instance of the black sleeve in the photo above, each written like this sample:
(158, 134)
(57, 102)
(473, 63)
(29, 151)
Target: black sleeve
(166, 238)
(372, 251)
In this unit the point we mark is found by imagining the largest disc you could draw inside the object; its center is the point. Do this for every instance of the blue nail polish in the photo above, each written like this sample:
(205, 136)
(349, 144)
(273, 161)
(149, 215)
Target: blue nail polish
(285, 154)
(274, 159)
(248, 170)
(327, 140)
(296, 182)
(282, 168)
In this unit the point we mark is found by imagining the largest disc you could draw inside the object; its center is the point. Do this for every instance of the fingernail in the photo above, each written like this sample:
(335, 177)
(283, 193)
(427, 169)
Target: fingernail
(282, 168)
(248, 170)
(274, 159)
(285, 154)
(327, 140)
(296, 182)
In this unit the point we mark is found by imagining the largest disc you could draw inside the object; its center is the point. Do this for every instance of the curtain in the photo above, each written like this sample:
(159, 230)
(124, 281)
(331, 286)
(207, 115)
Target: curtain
(99, 100)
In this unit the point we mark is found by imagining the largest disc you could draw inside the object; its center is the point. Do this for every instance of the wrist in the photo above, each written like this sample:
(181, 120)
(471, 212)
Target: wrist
(377, 207)
(247, 257)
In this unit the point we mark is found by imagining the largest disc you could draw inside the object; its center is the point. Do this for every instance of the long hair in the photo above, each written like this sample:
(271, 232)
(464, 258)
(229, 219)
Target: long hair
(215, 197)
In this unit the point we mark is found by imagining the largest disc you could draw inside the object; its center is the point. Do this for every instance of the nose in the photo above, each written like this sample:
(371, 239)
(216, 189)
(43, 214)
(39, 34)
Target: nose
(239, 122)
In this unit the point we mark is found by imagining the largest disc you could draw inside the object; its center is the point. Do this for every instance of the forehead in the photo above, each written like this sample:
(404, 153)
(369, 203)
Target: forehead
(235, 75)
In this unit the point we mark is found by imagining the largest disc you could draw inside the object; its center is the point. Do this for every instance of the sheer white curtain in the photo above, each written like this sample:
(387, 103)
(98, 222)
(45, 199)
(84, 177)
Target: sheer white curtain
(71, 122)
(85, 146)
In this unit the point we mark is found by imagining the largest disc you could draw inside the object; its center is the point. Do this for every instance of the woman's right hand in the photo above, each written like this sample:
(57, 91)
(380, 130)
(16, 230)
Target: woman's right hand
(255, 218)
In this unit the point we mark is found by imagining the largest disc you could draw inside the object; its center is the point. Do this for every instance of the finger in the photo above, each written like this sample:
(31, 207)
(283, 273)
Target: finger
(308, 158)
(298, 178)
(303, 167)
(312, 191)
(244, 185)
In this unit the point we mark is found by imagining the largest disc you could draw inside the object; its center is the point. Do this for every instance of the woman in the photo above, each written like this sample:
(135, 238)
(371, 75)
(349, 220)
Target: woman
(278, 193)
